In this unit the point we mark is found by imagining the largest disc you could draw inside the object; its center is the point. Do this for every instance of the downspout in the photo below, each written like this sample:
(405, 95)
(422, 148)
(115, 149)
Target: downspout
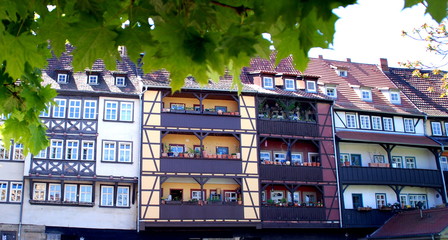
(140, 162)
(337, 164)
(19, 234)
(440, 169)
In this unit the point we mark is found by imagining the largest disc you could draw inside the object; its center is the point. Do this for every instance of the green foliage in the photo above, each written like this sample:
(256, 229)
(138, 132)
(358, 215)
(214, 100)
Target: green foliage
(200, 38)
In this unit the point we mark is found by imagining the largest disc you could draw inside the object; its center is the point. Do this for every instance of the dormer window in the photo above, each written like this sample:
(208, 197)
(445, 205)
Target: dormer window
(331, 91)
(92, 79)
(395, 97)
(268, 82)
(311, 86)
(342, 73)
(366, 95)
(289, 84)
(62, 78)
(120, 81)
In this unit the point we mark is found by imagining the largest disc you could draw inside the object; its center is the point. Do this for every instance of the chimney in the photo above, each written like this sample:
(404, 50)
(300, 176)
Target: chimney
(321, 57)
(349, 60)
(383, 65)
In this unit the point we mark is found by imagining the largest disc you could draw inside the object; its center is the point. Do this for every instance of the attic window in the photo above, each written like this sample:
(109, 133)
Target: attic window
(120, 81)
(342, 72)
(311, 86)
(62, 78)
(92, 79)
(289, 84)
(331, 92)
(395, 97)
(366, 95)
(268, 82)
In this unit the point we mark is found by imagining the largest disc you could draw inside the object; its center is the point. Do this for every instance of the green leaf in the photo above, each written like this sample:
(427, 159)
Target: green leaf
(437, 9)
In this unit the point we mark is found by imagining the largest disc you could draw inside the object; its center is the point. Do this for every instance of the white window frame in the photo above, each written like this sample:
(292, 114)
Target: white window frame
(4, 153)
(290, 84)
(18, 153)
(230, 196)
(379, 159)
(395, 97)
(109, 151)
(122, 196)
(15, 194)
(342, 73)
(377, 123)
(311, 86)
(197, 194)
(296, 158)
(70, 192)
(74, 109)
(280, 157)
(72, 149)
(4, 191)
(410, 162)
(436, 128)
(45, 113)
(92, 79)
(39, 191)
(415, 198)
(446, 128)
(332, 93)
(409, 125)
(120, 81)
(398, 161)
(265, 156)
(59, 108)
(444, 163)
(126, 111)
(124, 154)
(62, 78)
(381, 200)
(85, 193)
(90, 109)
(366, 95)
(268, 82)
(88, 151)
(107, 198)
(54, 192)
(388, 122)
(56, 149)
(344, 157)
(110, 110)
(365, 121)
(351, 121)
(42, 154)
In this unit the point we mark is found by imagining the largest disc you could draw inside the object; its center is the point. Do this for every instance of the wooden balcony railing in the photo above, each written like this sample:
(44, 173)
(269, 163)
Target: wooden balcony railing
(195, 211)
(172, 119)
(385, 176)
(274, 213)
(373, 218)
(201, 165)
(310, 129)
(290, 173)
(66, 167)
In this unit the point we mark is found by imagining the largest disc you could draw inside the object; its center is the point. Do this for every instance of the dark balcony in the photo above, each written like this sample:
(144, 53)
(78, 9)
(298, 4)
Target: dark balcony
(362, 219)
(386, 176)
(290, 173)
(274, 213)
(197, 120)
(194, 211)
(66, 167)
(288, 127)
(201, 165)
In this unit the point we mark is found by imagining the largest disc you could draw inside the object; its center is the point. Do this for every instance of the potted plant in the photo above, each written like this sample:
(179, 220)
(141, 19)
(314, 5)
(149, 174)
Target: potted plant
(165, 151)
(270, 202)
(190, 152)
(283, 201)
(364, 209)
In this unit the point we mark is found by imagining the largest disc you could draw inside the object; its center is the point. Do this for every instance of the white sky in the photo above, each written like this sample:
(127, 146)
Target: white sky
(372, 29)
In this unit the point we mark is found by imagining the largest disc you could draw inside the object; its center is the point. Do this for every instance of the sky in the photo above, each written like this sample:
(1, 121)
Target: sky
(372, 29)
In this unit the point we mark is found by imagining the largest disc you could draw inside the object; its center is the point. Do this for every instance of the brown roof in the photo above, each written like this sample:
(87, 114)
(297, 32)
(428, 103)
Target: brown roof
(393, 138)
(423, 92)
(362, 75)
(412, 225)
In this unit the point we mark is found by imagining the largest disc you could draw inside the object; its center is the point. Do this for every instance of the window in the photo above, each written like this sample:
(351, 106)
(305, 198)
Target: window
(436, 128)
(196, 194)
(388, 124)
(357, 200)
(62, 78)
(296, 158)
(331, 92)
(124, 152)
(344, 157)
(365, 122)
(15, 194)
(222, 150)
(89, 109)
(395, 97)
(268, 82)
(265, 156)
(3, 191)
(376, 123)
(177, 148)
(70, 192)
(378, 159)
(39, 192)
(18, 152)
(408, 125)
(351, 120)
(88, 148)
(109, 151)
(221, 108)
(42, 154)
(380, 200)
(397, 162)
(414, 200)
(366, 94)
(8, 235)
(85, 193)
(54, 192)
(403, 200)
(45, 113)
(311, 86)
(4, 153)
(280, 157)
(289, 84)
(355, 159)
(342, 73)
(122, 196)
(59, 108)
(71, 152)
(107, 195)
(410, 162)
(126, 111)
(111, 110)
(446, 128)
(230, 196)
(56, 149)
(443, 163)
(177, 106)
(120, 81)
(92, 79)
(74, 109)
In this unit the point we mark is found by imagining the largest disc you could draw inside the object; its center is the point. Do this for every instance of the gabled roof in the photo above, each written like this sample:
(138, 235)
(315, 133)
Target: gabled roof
(423, 92)
(411, 225)
(360, 75)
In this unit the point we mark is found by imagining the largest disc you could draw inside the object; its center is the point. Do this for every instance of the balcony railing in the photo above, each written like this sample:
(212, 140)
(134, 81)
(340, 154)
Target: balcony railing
(66, 167)
(373, 218)
(194, 211)
(288, 127)
(198, 120)
(71, 125)
(273, 213)
(290, 173)
(200, 165)
(385, 176)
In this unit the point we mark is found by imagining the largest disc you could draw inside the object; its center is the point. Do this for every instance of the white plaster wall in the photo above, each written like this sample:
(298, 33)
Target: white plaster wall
(398, 124)
(366, 150)
(11, 170)
(9, 213)
(368, 195)
(420, 127)
(423, 157)
(119, 131)
(81, 217)
(339, 119)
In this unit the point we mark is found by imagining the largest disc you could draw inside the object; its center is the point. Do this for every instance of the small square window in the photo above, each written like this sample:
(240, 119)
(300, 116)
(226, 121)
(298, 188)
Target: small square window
(92, 79)
(365, 122)
(289, 84)
(366, 95)
(120, 81)
(331, 92)
(62, 78)
(436, 128)
(395, 97)
(388, 124)
(311, 86)
(342, 73)
(409, 125)
(268, 82)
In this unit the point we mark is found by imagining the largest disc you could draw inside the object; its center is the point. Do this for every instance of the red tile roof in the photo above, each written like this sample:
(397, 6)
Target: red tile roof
(363, 75)
(393, 138)
(411, 225)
